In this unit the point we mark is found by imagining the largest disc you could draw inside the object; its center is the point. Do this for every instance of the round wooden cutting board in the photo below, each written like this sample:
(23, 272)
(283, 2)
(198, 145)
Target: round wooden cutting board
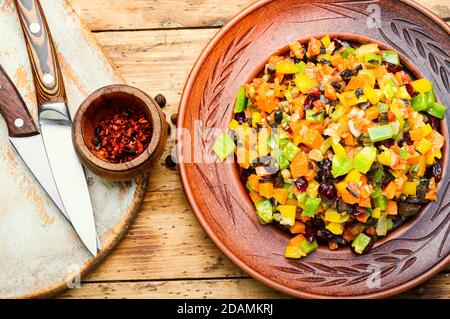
(40, 253)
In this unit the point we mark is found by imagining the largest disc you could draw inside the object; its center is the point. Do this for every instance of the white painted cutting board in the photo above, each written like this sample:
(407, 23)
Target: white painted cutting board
(40, 253)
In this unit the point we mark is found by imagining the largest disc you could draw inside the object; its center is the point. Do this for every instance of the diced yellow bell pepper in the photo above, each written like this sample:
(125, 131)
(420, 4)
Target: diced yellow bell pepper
(233, 124)
(370, 93)
(423, 146)
(376, 212)
(335, 217)
(341, 187)
(326, 41)
(410, 188)
(294, 252)
(335, 228)
(366, 48)
(422, 85)
(287, 210)
(256, 118)
(263, 147)
(385, 158)
(349, 98)
(403, 93)
(298, 139)
(338, 149)
(416, 135)
(431, 157)
(292, 201)
(368, 76)
(426, 130)
(304, 83)
(353, 176)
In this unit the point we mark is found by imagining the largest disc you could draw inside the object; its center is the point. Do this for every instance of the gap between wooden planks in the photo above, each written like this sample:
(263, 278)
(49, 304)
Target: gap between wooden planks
(166, 253)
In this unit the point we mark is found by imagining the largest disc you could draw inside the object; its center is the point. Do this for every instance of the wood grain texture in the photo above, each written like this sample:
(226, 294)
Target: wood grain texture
(166, 234)
(41, 50)
(157, 14)
(12, 107)
(245, 288)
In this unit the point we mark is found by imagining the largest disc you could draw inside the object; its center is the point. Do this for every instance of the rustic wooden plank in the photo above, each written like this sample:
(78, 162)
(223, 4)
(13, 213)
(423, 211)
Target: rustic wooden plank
(154, 14)
(438, 287)
(165, 241)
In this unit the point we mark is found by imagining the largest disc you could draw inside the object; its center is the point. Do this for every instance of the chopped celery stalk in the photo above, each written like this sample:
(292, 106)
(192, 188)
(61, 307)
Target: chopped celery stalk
(364, 159)
(437, 110)
(290, 150)
(360, 243)
(378, 191)
(311, 206)
(341, 165)
(264, 211)
(280, 158)
(308, 247)
(379, 174)
(381, 202)
(381, 225)
(372, 59)
(431, 97)
(348, 51)
(382, 107)
(380, 133)
(288, 67)
(420, 102)
(314, 116)
(241, 100)
(337, 113)
(390, 57)
(224, 146)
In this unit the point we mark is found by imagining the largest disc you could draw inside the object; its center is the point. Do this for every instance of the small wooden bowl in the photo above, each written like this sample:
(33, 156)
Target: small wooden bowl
(103, 102)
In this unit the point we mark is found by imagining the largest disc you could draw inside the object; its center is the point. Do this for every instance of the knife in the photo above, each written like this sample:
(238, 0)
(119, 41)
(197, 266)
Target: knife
(25, 137)
(55, 122)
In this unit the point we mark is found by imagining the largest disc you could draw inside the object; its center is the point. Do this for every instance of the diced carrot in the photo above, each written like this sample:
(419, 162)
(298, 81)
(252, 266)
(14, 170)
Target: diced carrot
(279, 77)
(349, 198)
(365, 202)
(317, 127)
(298, 228)
(416, 135)
(391, 207)
(266, 190)
(313, 139)
(281, 194)
(299, 165)
(355, 83)
(372, 113)
(298, 105)
(295, 242)
(253, 181)
(390, 190)
(391, 116)
(330, 92)
(364, 179)
(310, 175)
(350, 140)
(255, 197)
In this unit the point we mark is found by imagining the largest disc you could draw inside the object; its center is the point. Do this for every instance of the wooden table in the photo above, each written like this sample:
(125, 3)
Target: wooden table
(166, 254)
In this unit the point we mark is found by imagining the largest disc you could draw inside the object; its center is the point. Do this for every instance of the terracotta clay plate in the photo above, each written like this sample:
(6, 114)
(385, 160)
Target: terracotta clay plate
(411, 254)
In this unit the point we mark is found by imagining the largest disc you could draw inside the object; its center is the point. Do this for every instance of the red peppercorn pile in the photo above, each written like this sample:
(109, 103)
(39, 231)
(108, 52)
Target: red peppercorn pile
(122, 136)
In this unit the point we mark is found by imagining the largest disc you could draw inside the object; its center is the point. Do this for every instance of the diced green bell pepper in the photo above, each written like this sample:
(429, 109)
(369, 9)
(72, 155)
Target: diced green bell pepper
(341, 165)
(380, 133)
(390, 57)
(380, 202)
(431, 96)
(390, 224)
(364, 159)
(247, 185)
(372, 59)
(420, 102)
(404, 154)
(437, 110)
(280, 158)
(314, 116)
(382, 107)
(308, 247)
(290, 150)
(241, 100)
(264, 211)
(311, 206)
(337, 113)
(360, 243)
(348, 51)
(224, 146)
(276, 142)
(389, 88)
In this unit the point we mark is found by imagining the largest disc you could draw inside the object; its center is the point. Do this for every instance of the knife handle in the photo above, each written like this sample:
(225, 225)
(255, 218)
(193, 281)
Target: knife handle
(41, 51)
(13, 108)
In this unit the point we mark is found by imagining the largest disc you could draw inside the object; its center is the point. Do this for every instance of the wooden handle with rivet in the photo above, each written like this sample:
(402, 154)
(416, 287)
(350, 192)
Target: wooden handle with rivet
(41, 50)
(14, 111)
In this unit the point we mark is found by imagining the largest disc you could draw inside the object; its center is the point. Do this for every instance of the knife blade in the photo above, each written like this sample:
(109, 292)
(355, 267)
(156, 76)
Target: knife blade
(55, 122)
(25, 137)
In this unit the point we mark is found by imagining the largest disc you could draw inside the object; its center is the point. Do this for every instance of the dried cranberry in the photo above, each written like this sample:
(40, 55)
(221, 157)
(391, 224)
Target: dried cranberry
(301, 184)
(359, 211)
(325, 167)
(327, 192)
(309, 102)
(386, 143)
(435, 171)
(244, 174)
(409, 88)
(393, 68)
(240, 117)
(434, 122)
(310, 233)
(406, 139)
